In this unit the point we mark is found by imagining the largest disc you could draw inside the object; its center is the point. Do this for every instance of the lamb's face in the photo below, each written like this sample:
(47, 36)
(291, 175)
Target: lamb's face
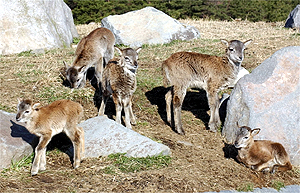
(75, 77)
(243, 137)
(24, 111)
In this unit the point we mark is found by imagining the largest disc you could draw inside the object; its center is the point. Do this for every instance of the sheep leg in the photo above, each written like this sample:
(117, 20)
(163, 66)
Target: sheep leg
(213, 101)
(179, 94)
(99, 70)
(39, 151)
(168, 98)
(118, 105)
(103, 105)
(126, 104)
(132, 117)
(75, 135)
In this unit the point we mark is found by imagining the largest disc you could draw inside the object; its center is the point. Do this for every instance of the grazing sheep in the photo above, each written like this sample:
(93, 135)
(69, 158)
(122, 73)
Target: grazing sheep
(96, 49)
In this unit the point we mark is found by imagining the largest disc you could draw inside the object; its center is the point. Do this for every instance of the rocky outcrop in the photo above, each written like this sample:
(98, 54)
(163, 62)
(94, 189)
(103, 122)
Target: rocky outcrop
(147, 26)
(269, 98)
(35, 25)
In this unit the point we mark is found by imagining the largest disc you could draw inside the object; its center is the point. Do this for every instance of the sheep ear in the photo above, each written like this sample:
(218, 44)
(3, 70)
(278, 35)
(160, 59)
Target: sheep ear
(119, 50)
(19, 100)
(66, 65)
(82, 69)
(246, 43)
(138, 49)
(36, 106)
(255, 131)
(225, 42)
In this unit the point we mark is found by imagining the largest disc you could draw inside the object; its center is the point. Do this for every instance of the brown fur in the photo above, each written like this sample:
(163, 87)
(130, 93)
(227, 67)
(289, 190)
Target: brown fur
(119, 80)
(97, 48)
(211, 73)
(45, 122)
(260, 155)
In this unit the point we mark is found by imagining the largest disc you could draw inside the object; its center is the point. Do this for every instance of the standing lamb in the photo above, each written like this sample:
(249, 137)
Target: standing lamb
(96, 49)
(45, 122)
(211, 73)
(119, 80)
(260, 155)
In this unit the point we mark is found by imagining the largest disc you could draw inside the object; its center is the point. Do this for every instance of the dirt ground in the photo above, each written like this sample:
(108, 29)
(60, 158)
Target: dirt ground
(201, 160)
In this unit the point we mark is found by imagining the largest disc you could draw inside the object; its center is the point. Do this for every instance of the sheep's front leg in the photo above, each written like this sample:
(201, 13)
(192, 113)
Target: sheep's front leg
(103, 105)
(127, 113)
(99, 70)
(168, 98)
(214, 121)
(132, 117)
(179, 94)
(118, 104)
(40, 154)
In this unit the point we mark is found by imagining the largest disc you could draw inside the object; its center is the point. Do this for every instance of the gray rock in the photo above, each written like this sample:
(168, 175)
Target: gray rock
(289, 189)
(15, 140)
(293, 20)
(33, 25)
(104, 136)
(147, 26)
(263, 190)
(269, 98)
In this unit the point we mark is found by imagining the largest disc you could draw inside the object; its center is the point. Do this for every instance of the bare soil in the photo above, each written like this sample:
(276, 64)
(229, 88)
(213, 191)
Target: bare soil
(201, 160)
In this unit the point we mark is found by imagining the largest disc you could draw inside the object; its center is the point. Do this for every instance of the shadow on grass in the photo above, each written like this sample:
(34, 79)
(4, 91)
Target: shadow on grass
(195, 102)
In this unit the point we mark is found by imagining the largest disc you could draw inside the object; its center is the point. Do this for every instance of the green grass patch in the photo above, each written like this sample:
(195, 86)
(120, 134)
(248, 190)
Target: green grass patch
(16, 166)
(277, 185)
(52, 94)
(246, 187)
(131, 164)
(6, 108)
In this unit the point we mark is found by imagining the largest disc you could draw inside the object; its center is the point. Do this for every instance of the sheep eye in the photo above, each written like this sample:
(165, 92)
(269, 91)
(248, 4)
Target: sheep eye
(231, 49)
(245, 137)
(26, 111)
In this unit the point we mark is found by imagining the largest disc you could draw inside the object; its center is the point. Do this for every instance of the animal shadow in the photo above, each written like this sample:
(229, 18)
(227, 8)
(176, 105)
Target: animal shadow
(230, 151)
(60, 141)
(195, 102)
(19, 131)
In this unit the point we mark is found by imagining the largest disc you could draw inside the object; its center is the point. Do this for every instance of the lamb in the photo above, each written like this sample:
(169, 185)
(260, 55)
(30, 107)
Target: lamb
(260, 155)
(119, 80)
(97, 48)
(211, 73)
(47, 121)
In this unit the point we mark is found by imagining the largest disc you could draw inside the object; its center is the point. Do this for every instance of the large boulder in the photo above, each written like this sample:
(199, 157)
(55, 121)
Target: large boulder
(269, 98)
(34, 25)
(15, 141)
(104, 136)
(147, 26)
(293, 20)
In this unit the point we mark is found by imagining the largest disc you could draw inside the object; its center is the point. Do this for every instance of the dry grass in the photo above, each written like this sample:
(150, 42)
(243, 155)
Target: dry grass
(199, 167)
